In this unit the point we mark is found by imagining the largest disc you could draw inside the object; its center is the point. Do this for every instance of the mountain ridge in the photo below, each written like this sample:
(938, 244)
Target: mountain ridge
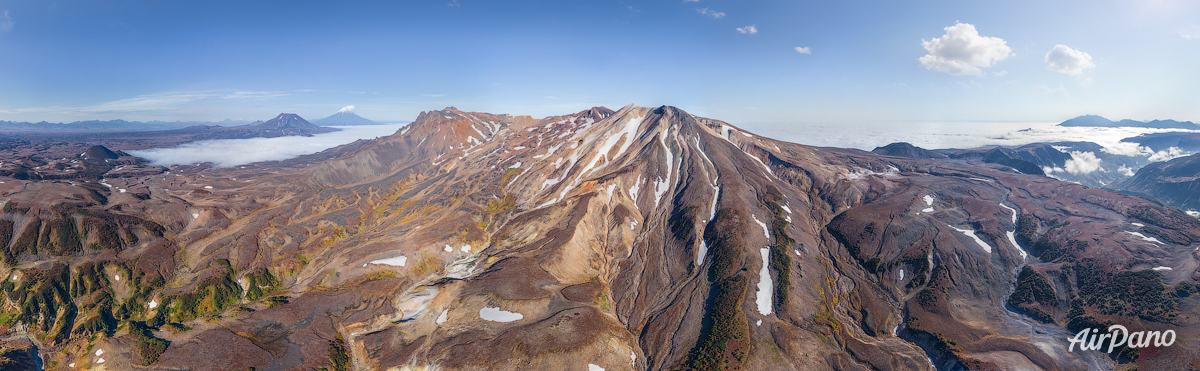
(640, 238)
(1097, 121)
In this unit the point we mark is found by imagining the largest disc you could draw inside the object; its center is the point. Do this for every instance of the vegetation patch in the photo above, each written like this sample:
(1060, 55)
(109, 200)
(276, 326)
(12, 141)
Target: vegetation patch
(212, 295)
(261, 283)
(149, 348)
(1034, 295)
(1141, 294)
(339, 356)
(722, 344)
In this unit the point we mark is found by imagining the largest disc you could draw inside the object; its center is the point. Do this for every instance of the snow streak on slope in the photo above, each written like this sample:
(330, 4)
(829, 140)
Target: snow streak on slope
(763, 296)
(971, 233)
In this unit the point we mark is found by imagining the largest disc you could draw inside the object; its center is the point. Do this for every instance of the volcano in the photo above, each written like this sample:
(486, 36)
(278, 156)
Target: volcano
(344, 117)
(640, 238)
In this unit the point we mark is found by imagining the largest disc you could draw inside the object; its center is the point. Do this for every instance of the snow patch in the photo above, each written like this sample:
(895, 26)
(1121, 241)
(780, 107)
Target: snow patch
(928, 200)
(465, 248)
(1143, 237)
(927, 210)
(207, 187)
(1012, 238)
(494, 314)
(1014, 213)
(1138, 224)
(396, 261)
(633, 191)
(516, 165)
(1162, 268)
(116, 278)
(442, 317)
(901, 273)
(101, 360)
(99, 352)
(660, 187)
(785, 208)
(759, 323)
(122, 190)
(195, 215)
(763, 296)
(712, 212)
(971, 233)
(592, 367)
(153, 304)
(766, 232)
(448, 248)
(701, 252)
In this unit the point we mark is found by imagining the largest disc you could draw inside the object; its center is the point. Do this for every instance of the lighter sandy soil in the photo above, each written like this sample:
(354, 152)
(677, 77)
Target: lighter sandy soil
(1008, 360)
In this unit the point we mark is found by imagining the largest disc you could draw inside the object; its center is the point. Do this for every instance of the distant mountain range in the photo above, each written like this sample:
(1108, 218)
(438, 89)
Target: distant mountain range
(111, 125)
(1097, 121)
(344, 117)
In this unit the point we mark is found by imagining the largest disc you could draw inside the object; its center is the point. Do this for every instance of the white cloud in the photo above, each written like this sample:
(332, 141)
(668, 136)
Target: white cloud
(234, 152)
(961, 51)
(454, 4)
(803, 50)
(346, 109)
(1128, 149)
(1191, 33)
(1167, 154)
(6, 23)
(749, 30)
(1082, 163)
(711, 13)
(150, 103)
(1125, 170)
(1136, 150)
(1063, 59)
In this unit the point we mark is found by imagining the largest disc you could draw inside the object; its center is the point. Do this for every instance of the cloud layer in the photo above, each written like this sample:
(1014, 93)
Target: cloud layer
(749, 30)
(1063, 59)
(962, 51)
(803, 50)
(234, 152)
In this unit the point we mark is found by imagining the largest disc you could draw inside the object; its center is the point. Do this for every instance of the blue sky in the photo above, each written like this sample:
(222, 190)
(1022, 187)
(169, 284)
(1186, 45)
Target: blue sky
(867, 61)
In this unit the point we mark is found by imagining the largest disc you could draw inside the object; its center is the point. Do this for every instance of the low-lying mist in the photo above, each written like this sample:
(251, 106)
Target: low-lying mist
(233, 152)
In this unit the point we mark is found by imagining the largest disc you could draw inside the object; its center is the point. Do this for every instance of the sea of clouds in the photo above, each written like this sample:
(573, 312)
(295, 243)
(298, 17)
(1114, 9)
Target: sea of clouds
(234, 152)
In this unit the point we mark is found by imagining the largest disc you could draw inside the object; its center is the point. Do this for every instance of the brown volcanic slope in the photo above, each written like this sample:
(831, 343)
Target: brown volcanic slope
(645, 238)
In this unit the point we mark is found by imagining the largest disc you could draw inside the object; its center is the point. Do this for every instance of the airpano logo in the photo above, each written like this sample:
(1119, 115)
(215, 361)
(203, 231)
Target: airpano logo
(1092, 339)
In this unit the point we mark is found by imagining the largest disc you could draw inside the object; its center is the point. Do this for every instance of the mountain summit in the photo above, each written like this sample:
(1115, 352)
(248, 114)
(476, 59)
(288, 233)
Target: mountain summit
(344, 117)
(286, 124)
(644, 238)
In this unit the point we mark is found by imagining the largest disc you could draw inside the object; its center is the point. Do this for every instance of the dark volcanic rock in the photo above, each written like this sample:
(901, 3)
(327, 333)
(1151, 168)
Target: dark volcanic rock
(99, 153)
(902, 149)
